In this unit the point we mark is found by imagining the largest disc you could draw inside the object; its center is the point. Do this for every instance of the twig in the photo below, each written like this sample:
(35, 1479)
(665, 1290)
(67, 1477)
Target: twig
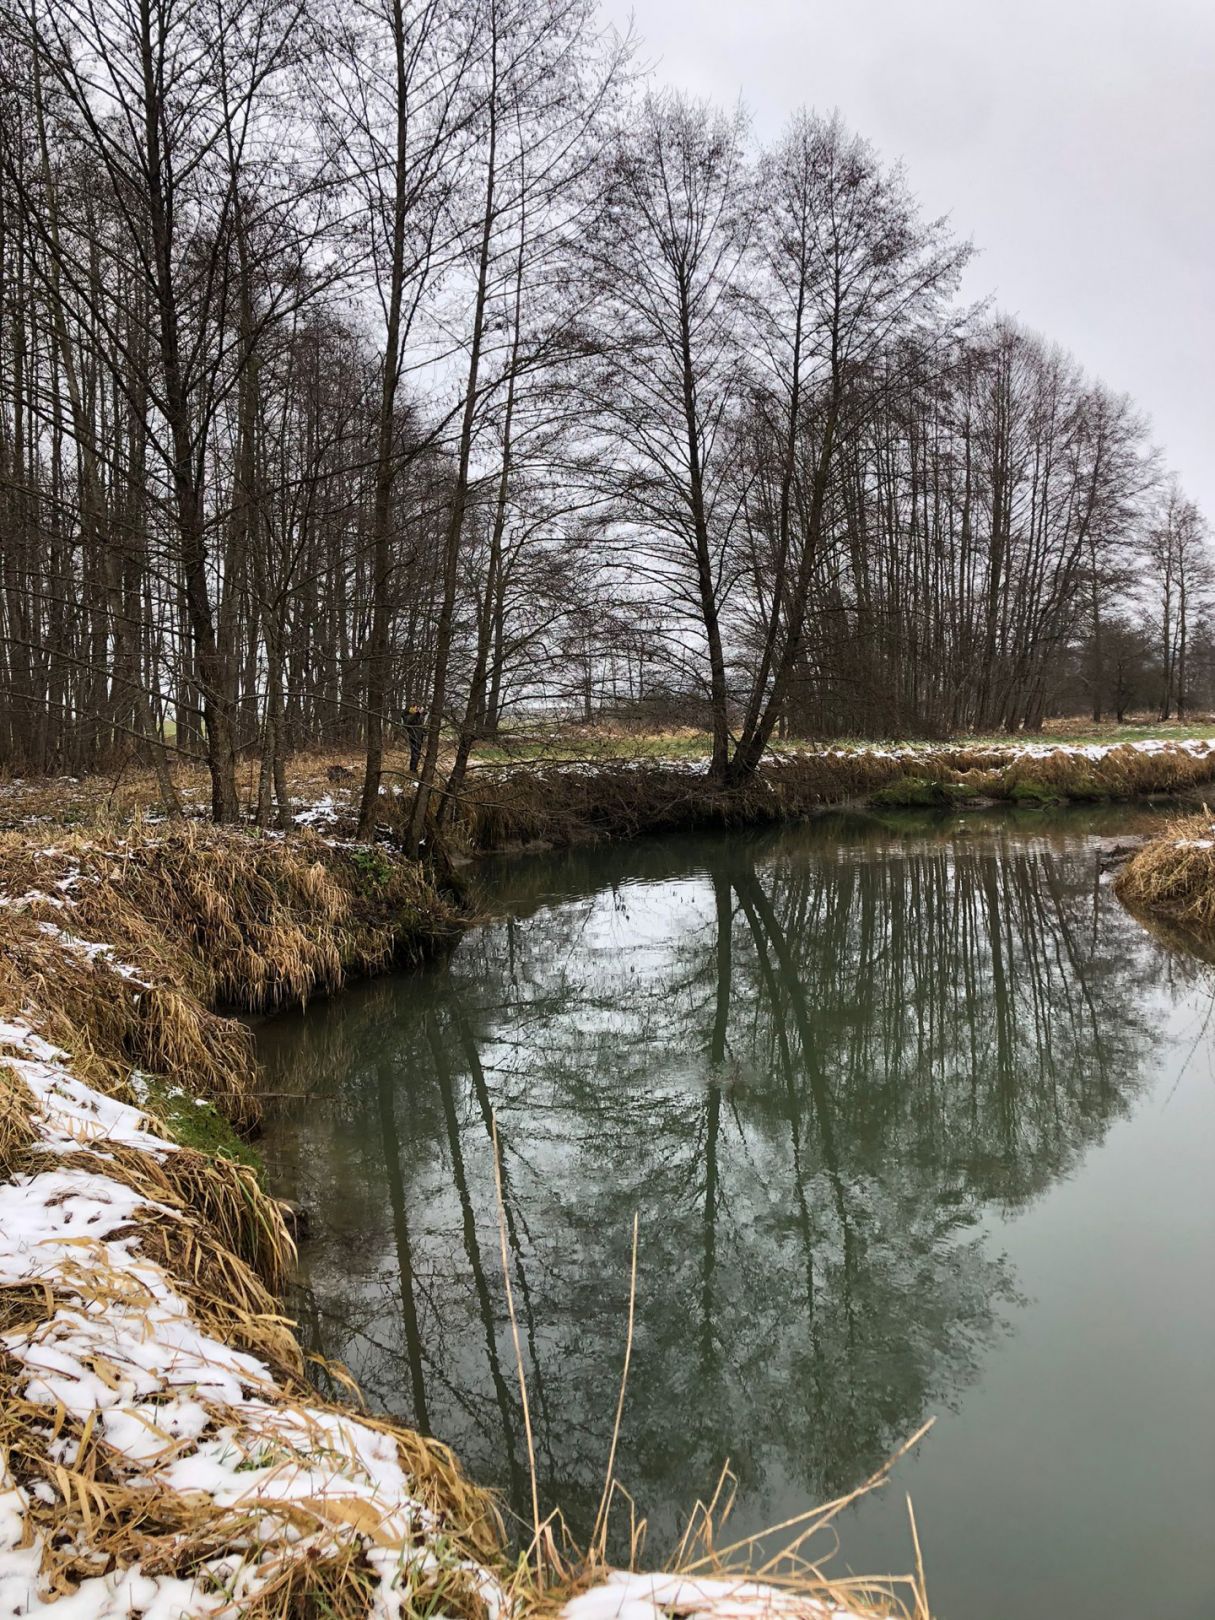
(599, 1534)
(514, 1327)
(921, 1596)
(815, 1518)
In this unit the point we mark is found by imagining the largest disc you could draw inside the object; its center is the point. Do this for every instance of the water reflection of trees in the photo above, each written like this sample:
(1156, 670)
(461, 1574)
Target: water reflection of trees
(811, 1064)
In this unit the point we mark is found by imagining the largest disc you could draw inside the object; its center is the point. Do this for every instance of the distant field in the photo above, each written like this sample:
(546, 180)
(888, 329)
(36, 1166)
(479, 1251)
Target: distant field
(608, 742)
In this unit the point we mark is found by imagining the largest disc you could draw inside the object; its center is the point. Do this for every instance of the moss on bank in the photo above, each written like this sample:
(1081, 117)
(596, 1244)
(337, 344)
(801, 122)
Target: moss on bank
(920, 793)
(195, 1123)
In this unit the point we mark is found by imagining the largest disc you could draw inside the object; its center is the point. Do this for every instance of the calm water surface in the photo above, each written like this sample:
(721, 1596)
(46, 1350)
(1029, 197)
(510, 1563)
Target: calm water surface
(917, 1122)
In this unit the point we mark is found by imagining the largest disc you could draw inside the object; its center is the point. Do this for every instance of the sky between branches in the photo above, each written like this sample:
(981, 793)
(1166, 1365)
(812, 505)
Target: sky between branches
(1073, 139)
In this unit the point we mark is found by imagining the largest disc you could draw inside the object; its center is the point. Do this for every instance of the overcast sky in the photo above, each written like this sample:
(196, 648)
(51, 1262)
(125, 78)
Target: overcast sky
(1073, 140)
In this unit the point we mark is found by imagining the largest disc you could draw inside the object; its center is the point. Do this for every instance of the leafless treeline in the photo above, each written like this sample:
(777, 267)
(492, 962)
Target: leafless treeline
(411, 350)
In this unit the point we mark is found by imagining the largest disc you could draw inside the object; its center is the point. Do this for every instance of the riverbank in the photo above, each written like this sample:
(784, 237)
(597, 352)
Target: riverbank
(1169, 884)
(512, 805)
(571, 790)
(162, 1446)
(161, 1449)
(567, 800)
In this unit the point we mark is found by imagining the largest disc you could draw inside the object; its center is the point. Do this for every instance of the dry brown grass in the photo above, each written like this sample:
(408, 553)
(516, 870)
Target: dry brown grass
(1124, 772)
(109, 802)
(506, 807)
(502, 809)
(1120, 772)
(205, 917)
(111, 1025)
(93, 1513)
(17, 1132)
(520, 805)
(1172, 878)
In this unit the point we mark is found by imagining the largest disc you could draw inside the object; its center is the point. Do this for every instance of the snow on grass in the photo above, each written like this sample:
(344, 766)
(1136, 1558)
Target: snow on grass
(63, 902)
(178, 1410)
(123, 1594)
(624, 1596)
(910, 752)
(1198, 746)
(91, 951)
(322, 810)
(71, 1113)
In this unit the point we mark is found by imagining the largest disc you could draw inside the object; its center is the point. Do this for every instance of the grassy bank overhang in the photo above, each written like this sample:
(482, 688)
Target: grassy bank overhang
(1169, 884)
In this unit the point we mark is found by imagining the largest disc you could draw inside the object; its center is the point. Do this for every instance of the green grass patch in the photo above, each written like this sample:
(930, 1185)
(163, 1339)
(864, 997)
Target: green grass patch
(1028, 793)
(919, 793)
(195, 1123)
(373, 866)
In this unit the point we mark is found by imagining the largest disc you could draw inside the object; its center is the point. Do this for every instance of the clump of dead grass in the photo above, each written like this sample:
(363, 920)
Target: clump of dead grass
(119, 949)
(17, 1131)
(112, 1023)
(122, 948)
(506, 808)
(1172, 878)
(782, 1572)
(560, 804)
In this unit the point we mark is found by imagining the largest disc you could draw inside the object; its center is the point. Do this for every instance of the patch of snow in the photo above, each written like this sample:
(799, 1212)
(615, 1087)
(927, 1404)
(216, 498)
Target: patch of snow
(180, 1410)
(323, 810)
(91, 951)
(625, 1596)
(34, 897)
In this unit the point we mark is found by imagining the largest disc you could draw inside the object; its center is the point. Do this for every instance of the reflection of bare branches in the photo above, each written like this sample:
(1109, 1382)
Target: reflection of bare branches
(806, 1065)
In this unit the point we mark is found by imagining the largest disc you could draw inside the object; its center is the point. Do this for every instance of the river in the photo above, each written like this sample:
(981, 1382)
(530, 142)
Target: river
(916, 1122)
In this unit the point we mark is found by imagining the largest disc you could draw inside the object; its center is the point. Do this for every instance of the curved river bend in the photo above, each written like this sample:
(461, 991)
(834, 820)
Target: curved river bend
(916, 1121)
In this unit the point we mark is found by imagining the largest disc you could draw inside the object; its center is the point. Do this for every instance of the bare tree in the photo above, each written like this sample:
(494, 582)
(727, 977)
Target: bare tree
(403, 108)
(1179, 558)
(849, 273)
(668, 260)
